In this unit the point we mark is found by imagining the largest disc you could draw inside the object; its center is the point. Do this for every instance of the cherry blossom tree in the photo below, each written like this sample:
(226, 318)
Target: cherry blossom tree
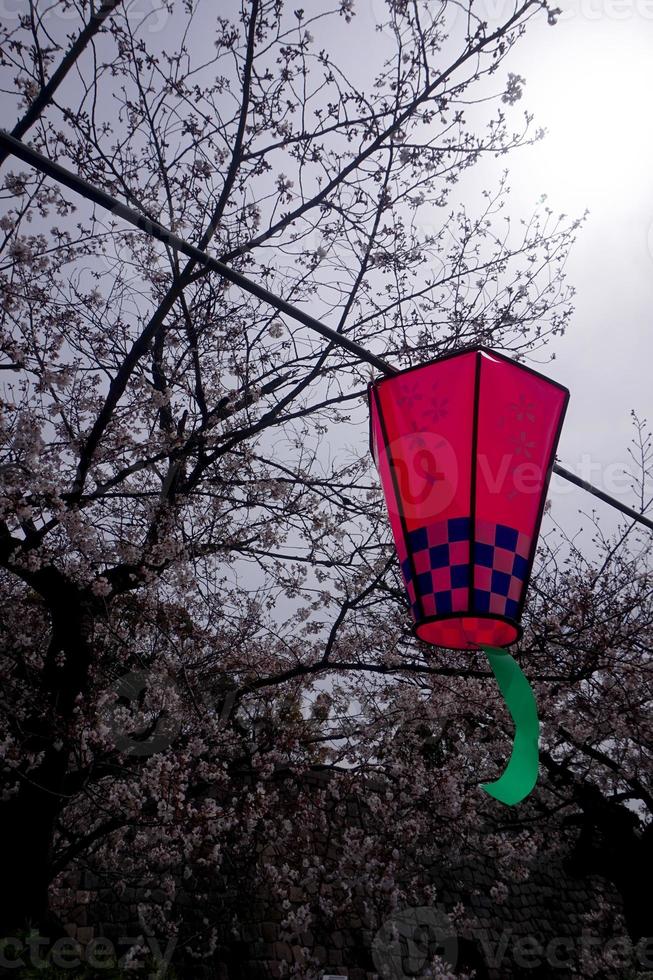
(200, 592)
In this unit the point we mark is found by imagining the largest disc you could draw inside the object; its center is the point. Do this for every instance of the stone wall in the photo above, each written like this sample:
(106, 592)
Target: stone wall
(499, 936)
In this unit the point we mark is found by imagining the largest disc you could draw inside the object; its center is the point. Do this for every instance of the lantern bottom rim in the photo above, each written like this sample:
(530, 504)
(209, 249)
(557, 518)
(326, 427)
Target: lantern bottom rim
(468, 631)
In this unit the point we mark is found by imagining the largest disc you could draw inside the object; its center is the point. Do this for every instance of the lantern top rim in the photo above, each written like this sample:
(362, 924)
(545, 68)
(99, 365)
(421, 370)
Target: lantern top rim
(460, 352)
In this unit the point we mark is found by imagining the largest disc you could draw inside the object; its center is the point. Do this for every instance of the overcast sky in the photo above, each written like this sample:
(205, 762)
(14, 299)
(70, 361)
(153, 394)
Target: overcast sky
(589, 80)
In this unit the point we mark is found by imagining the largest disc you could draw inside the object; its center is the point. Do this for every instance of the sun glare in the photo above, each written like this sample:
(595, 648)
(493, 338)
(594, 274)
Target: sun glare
(591, 90)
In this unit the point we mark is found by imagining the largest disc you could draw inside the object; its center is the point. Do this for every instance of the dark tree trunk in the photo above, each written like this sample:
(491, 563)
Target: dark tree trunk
(612, 844)
(28, 822)
(28, 819)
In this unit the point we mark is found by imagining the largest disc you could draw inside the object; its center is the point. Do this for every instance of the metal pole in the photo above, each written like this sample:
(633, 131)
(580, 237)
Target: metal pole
(584, 485)
(69, 59)
(153, 228)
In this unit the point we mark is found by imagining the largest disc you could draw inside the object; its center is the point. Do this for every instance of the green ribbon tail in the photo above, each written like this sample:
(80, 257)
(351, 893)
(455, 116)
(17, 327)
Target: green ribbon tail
(520, 775)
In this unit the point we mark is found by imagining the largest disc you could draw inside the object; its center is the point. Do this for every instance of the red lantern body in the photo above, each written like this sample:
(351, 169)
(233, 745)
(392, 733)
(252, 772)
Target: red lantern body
(464, 447)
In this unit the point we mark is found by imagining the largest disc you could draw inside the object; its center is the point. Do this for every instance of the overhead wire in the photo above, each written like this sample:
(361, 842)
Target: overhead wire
(9, 145)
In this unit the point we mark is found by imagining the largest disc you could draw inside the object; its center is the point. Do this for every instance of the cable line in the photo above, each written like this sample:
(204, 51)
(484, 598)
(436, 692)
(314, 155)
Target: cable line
(79, 185)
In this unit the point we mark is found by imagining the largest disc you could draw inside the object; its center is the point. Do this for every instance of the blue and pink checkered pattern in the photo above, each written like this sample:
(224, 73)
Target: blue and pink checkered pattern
(441, 555)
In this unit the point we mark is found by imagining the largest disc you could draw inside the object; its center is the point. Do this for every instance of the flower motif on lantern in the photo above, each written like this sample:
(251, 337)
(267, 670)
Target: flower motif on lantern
(523, 409)
(523, 445)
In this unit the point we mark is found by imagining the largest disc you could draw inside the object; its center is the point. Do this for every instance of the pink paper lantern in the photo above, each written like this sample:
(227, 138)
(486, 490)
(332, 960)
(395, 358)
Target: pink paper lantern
(464, 446)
